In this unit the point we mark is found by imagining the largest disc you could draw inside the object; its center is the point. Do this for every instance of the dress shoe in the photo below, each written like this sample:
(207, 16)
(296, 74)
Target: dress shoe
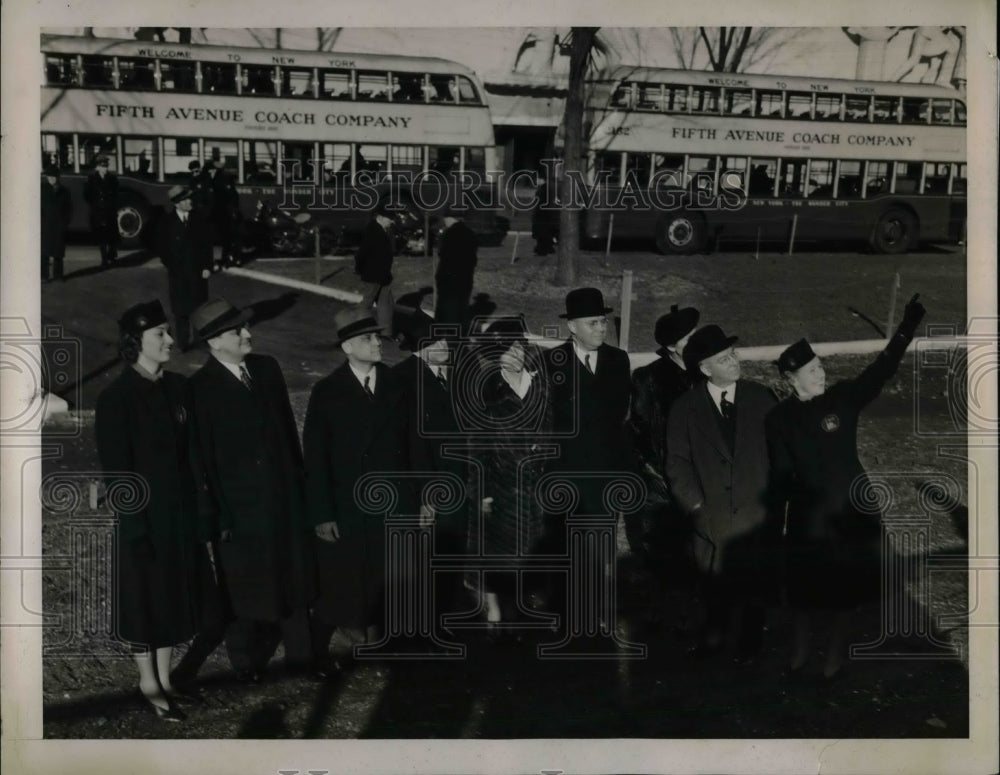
(169, 714)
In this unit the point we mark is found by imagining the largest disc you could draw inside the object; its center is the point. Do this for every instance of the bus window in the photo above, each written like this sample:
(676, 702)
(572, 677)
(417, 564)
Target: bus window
(827, 107)
(61, 70)
(296, 162)
(650, 96)
(793, 178)
(178, 76)
(226, 150)
(58, 150)
(609, 164)
(622, 97)
(915, 110)
(373, 86)
(908, 177)
(475, 161)
(140, 157)
(260, 162)
(701, 173)
(218, 79)
(941, 111)
(258, 79)
(407, 158)
(820, 184)
(959, 113)
(445, 89)
(98, 71)
(335, 84)
(770, 103)
(734, 172)
(336, 161)
(136, 73)
(445, 159)
(92, 146)
(936, 177)
(408, 88)
(178, 153)
(762, 174)
(886, 110)
(677, 99)
(705, 99)
(877, 178)
(738, 102)
(467, 92)
(856, 108)
(960, 183)
(668, 170)
(799, 106)
(849, 180)
(638, 168)
(296, 82)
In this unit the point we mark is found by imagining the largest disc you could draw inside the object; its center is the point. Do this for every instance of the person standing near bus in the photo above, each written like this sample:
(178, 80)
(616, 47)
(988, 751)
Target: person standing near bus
(186, 251)
(373, 264)
(57, 211)
(101, 193)
(456, 268)
(225, 208)
(832, 542)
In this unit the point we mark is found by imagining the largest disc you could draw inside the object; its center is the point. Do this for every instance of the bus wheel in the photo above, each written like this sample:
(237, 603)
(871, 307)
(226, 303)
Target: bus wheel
(133, 217)
(895, 231)
(681, 233)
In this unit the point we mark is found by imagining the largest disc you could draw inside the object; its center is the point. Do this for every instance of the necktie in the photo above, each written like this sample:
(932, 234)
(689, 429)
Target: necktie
(726, 406)
(368, 387)
(586, 362)
(245, 377)
(441, 378)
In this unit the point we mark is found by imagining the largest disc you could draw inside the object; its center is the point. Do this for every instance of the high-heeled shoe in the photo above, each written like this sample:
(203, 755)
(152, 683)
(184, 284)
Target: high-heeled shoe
(170, 713)
(184, 697)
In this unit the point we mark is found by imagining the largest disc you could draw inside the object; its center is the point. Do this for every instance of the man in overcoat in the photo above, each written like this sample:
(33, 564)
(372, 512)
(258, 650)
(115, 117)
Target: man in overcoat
(250, 444)
(101, 193)
(223, 202)
(57, 210)
(717, 468)
(373, 264)
(455, 270)
(185, 249)
(356, 424)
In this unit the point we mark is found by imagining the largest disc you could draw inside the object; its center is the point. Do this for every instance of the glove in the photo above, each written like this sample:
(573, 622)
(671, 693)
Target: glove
(913, 313)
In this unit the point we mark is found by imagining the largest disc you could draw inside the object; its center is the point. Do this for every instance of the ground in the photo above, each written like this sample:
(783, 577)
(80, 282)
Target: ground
(503, 690)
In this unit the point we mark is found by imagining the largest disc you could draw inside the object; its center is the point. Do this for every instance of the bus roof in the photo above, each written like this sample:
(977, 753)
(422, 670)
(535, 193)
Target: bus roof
(772, 81)
(71, 44)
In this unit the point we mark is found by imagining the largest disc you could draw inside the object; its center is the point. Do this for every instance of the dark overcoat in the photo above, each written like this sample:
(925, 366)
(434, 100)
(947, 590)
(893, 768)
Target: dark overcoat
(724, 489)
(833, 542)
(186, 250)
(347, 435)
(57, 211)
(144, 427)
(589, 415)
(655, 387)
(455, 271)
(250, 446)
(373, 261)
(101, 194)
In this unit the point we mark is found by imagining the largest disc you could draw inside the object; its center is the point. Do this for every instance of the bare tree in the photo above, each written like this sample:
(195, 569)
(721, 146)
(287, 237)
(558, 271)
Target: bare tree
(326, 37)
(728, 49)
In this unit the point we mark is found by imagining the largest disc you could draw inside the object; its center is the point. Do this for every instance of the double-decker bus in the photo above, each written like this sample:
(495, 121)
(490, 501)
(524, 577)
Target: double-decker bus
(761, 155)
(351, 121)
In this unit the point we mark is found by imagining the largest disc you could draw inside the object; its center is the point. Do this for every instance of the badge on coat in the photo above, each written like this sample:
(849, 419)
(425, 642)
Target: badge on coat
(830, 423)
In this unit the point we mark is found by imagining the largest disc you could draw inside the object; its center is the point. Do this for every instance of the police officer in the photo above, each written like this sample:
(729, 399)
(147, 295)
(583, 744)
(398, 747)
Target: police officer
(101, 194)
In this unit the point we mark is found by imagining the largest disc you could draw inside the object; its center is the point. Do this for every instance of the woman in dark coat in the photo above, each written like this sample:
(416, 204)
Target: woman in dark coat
(515, 415)
(833, 543)
(143, 429)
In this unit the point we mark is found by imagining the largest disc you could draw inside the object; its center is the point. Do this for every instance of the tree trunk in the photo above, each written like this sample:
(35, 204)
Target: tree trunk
(573, 148)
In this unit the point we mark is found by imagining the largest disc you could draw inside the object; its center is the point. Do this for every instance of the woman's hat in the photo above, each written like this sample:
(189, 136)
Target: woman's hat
(704, 343)
(675, 325)
(142, 317)
(795, 356)
(418, 330)
(216, 316)
(354, 321)
(584, 303)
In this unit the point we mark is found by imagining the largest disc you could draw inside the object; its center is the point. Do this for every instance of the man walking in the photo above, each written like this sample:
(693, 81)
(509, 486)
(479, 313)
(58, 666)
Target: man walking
(718, 473)
(456, 268)
(356, 424)
(57, 210)
(101, 193)
(250, 445)
(186, 251)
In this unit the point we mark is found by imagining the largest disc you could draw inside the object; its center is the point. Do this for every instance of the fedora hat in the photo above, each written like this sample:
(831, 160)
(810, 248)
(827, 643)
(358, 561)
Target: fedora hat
(141, 317)
(675, 325)
(506, 329)
(795, 356)
(354, 321)
(216, 316)
(418, 330)
(704, 343)
(178, 193)
(584, 303)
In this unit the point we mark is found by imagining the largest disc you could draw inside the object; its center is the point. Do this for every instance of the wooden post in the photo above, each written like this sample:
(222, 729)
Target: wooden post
(607, 245)
(756, 253)
(513, 253)
(626, 308)
(892, 305)
(791, 238)
(316, 257)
